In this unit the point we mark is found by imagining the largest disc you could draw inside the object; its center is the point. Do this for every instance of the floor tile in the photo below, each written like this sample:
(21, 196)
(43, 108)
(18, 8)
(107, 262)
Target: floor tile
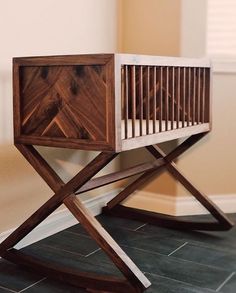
(145, 241)
(71, 260)
(16, 278)
(71, 242)
(51, 286)
(203, 264)
(230, 286)
(165, 285)
(107, 221)
(119, 222)
(3, 290)
(208, 256)
(226, 240)
(180, 270)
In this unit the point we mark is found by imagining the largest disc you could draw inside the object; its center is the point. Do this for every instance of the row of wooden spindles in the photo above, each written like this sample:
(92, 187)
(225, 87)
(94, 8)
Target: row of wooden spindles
(163, 98)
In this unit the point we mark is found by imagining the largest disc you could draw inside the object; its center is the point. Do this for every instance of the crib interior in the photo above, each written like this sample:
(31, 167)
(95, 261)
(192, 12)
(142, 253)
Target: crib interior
(156, 99)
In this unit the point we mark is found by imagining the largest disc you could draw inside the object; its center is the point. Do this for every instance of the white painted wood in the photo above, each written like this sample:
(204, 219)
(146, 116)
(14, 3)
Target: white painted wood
(141, 141)
(179, 205)
(132, 59)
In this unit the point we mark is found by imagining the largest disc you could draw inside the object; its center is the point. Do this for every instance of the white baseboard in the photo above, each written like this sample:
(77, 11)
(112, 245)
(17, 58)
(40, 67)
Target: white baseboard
(60, 220)
(179, 205)
(166, 204)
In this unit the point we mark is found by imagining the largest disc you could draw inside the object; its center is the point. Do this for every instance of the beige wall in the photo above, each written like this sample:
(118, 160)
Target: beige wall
(42, 28)
(150, 27)
(211, 163)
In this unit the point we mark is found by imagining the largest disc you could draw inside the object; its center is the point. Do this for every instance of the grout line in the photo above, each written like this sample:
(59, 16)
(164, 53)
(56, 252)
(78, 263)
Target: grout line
(61, 249)
(225, 281)
(178, 248)
(91, 253)
(143, 225)
(7, 289)
(78, 234)
(33, 284)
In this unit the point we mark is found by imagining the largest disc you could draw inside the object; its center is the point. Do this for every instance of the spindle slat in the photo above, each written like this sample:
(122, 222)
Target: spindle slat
(183, 71)
(147, 99)
(189, 97)
(167, 99)
(133, 95)
(141, 101)
(163, 98)
(154, 97)
(173, 99)
(160, 98)
(126, 101)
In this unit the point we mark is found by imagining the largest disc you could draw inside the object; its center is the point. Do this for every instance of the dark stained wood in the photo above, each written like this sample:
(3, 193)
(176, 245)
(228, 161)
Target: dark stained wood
(154, 110)
(126, 100)
(78, 102)
(141, 101)
(224, 221)
(194, 97)
(166, 98)
(207, 108)
(189, 97)
(69, 275)
(172, 115)
(113, 250)
(58, 100)
(183, 93)
(60, 142)
(178, 92)
(150, 174)
(65, 193)
(164, 220)
(119, 175)
(60, 194)
(147, 99)
(160, 98)
(203, 94)
(133, 95)
(16, 99)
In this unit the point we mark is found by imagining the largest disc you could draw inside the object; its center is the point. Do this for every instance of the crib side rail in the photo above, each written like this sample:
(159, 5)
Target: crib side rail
(160, 98)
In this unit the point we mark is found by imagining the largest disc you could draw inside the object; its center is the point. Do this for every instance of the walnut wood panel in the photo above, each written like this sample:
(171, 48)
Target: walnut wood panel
(65, 102)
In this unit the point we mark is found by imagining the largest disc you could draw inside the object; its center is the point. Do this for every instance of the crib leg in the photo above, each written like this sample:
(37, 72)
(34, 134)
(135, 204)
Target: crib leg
(114, 208)
(134, 280)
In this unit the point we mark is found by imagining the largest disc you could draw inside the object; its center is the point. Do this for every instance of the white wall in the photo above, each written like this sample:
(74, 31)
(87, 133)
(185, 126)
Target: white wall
(44, 27)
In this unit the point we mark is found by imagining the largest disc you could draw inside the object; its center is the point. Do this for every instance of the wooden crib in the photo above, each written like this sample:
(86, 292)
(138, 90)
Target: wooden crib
(108, 103)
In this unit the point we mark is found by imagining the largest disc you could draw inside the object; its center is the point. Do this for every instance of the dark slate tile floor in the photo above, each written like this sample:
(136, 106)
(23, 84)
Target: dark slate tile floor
(174, 261)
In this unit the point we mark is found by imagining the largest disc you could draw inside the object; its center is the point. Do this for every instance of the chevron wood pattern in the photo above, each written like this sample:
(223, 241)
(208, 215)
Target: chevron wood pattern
(64, 101)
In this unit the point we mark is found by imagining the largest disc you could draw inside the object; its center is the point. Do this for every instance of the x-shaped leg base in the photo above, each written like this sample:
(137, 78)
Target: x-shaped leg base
(134, 280)
(114, 208)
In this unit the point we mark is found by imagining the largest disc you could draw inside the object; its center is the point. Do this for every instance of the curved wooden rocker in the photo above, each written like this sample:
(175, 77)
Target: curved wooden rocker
(134, 280)
(114, 208)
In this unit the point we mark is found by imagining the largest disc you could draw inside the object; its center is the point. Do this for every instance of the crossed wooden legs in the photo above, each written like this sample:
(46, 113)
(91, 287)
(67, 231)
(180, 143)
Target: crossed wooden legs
(134, 280)
(114, 208)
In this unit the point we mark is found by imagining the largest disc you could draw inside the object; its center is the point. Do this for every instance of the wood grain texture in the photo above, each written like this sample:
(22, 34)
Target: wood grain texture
(70, 275)
(69, 98)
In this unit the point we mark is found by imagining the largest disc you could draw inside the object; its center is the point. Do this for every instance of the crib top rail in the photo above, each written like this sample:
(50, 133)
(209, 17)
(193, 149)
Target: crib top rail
(77, 101)
(149, 60)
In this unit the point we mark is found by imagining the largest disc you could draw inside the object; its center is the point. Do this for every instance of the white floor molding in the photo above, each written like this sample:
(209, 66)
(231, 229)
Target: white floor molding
(166, 204)
(60, 220)
(180, 205)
